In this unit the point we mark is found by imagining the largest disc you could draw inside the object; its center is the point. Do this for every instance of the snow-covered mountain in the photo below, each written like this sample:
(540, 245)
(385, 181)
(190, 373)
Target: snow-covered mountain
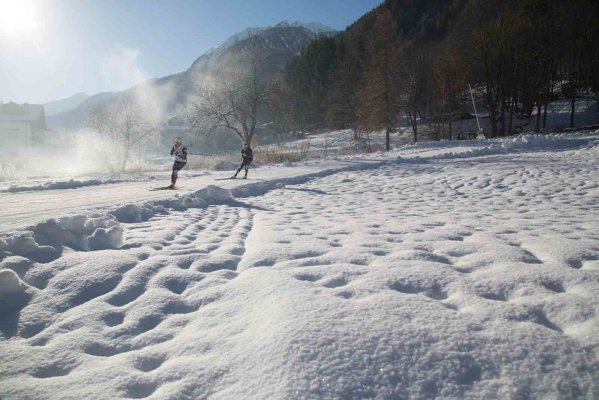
(314, 27)
(281, 43)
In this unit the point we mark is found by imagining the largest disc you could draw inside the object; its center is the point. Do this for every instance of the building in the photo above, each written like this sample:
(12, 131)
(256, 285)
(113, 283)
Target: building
(19, 126)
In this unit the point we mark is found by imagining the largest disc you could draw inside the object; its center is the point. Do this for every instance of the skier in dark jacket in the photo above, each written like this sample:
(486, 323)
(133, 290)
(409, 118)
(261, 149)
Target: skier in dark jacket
(247, 156)
(180, 153)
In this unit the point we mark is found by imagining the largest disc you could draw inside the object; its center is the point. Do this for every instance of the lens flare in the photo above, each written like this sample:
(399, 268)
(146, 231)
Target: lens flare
(21, 22)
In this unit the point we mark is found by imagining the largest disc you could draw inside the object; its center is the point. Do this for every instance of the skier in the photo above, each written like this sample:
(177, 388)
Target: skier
(180, 153)
(247, 156)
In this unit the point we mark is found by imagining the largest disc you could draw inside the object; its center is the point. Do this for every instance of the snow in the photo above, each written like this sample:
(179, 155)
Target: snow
(54, 185)
(442, 270)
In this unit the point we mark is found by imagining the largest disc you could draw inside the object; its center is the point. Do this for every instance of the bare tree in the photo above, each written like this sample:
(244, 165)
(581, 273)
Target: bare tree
(416, 85)
(124, 125)
(235, 99)
(449, 78)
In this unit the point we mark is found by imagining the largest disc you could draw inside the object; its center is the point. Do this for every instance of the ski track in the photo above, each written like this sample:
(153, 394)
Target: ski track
(470, 278)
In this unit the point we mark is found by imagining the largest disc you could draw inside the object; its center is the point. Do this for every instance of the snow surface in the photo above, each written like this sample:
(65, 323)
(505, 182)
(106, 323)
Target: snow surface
(456, 270)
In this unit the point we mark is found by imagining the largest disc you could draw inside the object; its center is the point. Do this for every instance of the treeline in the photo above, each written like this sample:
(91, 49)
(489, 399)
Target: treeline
(414, 60)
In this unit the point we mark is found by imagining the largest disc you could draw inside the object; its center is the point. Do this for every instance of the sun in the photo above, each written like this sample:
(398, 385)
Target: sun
(20, 21)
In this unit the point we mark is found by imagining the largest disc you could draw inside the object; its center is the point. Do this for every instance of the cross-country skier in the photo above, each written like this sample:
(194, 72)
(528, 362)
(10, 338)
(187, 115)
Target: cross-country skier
(180, 153)
(247, 156)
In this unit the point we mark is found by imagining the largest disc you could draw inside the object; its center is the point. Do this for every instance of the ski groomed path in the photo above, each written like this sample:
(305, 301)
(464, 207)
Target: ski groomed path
(454, 275)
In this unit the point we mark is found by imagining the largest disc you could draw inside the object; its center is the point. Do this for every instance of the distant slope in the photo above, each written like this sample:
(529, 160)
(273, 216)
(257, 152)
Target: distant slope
(66, 104)
(77, 117)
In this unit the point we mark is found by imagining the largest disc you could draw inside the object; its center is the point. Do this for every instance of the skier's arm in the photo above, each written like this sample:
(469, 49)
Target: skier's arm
(184, 153)
(172, 150)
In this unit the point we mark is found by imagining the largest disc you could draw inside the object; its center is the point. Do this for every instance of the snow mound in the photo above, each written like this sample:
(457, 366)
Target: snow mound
(215, 195)
(56, 185)
(10, 283)
(12, 291)
(44, 242)
(102, 238)
(522, 143)
(137, 212)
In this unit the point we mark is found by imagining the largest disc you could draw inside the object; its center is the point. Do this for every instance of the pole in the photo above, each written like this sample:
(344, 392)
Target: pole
(474, 105)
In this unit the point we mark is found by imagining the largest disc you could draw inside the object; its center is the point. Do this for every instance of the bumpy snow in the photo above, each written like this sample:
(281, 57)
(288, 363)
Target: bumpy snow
(54, 185)
(453, 271)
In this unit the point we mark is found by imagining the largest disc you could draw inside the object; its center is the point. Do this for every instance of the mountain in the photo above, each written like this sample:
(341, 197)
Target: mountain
(77, 117)
(62, 105)
(166, 95)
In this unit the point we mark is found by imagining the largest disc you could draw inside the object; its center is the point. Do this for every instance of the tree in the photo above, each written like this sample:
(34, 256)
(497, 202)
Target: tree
(233, 102)
(379, 94)
(125, 125)
(450, 82)
(307, 79)
(416, 84)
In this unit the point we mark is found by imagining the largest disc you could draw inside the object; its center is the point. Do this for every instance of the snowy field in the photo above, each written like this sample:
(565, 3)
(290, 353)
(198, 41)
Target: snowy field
(443, 270)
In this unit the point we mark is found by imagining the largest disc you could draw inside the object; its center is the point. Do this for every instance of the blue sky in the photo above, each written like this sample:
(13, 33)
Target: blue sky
(51, 49)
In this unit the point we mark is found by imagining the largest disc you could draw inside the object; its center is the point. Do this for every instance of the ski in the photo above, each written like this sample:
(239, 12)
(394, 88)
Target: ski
(241, 179)
(152, 189)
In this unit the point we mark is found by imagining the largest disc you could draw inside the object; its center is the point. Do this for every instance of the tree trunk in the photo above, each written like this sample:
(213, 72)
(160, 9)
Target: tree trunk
(572, 107)
(512, 103)
(502, 116)
(387, 139)
(573, 86)
(538, 117)
(545, 114)
(415, 129)
(125, 158)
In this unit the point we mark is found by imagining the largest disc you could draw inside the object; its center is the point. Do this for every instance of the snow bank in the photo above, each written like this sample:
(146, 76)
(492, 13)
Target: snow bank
(9, 284)
(137, 212)
(12, 291)
(44, 242)
(56, 185)
(521, 143)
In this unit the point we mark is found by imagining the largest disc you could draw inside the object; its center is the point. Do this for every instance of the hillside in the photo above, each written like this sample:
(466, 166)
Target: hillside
(64, 105)
(411, 63)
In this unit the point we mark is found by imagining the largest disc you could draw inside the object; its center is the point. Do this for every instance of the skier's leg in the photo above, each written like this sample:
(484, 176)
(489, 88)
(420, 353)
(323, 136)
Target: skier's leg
(174, 175)
(238, 170)
(247, 168)
(177, 166)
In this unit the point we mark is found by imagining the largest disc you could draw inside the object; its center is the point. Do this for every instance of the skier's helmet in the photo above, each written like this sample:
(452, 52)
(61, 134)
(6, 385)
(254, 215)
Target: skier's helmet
(178, 141)
(245, 145)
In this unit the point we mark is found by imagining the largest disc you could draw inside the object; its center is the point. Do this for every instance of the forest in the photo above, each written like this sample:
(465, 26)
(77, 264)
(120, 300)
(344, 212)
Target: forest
(421, 63)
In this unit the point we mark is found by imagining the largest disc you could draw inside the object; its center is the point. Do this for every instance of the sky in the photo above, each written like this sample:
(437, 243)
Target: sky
(52, 49)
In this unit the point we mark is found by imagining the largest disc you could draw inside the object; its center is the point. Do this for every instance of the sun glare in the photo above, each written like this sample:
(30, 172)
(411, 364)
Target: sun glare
(20, 21)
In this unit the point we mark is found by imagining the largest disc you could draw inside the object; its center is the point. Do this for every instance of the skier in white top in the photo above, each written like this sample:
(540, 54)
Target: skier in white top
(180, 153)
